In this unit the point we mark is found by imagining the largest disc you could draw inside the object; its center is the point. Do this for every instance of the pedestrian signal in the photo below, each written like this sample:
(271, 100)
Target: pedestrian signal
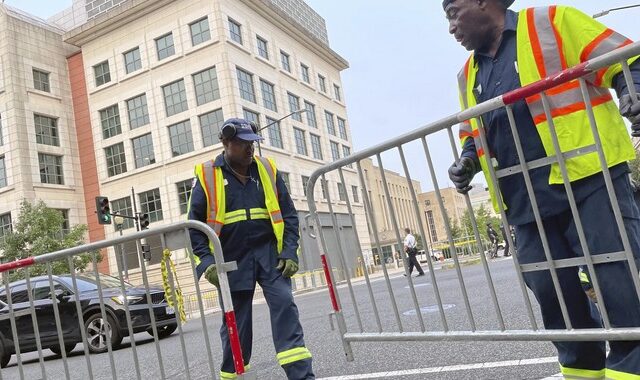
(103, 210)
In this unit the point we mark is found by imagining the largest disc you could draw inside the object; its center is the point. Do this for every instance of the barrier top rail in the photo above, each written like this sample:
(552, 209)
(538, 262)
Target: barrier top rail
(511, 97)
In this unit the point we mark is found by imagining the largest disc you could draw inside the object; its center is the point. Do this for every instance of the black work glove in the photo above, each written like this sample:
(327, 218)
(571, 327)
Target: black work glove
(631, 111)
(461, 173)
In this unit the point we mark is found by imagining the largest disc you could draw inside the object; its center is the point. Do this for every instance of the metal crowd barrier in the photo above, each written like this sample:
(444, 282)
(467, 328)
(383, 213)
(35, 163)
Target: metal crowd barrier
(100, 303)
(373, 313)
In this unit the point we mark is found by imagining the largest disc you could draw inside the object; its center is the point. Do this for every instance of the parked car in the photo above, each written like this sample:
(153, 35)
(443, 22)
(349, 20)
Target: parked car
(95, 327)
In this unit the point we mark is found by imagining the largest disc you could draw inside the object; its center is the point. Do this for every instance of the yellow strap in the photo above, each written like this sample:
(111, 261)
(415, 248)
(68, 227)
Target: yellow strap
(617, 375)
(293, 355)
(229, 375)
(582, 374)
(168, 294)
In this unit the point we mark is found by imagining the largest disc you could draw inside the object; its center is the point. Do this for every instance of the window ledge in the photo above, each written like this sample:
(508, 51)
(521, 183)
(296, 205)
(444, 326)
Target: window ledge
(201, 46)
(338, 101)
(238, 46)
(44, 94)
(134, 74)
(103, 87)
(287, 73)
(325, 95)
(7, 189)
(165, 61)
(266, 61)
(308, 85)
(52, 186)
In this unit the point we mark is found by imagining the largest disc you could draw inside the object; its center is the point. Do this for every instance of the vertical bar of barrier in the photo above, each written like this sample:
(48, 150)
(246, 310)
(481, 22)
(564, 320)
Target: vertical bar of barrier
(207, 343)
(83, 333)
(574, 208)
(374, 228)
(176, 309)
(34, 321)
(56, 315)
(12, 321)
(360, 255)
(105, 320)
(394, 222)
(127, 314)
(152, 317)
(610, 189)
(341, 258)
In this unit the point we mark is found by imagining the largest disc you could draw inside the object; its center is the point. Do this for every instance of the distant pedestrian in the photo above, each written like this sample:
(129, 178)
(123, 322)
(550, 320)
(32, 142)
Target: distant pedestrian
(493, 238)
(411, 248)
(506, 252)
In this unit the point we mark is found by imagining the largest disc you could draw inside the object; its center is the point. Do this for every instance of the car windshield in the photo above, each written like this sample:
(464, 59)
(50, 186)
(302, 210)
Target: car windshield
(86, 284)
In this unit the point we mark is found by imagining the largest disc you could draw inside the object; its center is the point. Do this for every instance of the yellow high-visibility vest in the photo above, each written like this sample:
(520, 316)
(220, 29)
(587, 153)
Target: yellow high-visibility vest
(549, 40)
(212, 181)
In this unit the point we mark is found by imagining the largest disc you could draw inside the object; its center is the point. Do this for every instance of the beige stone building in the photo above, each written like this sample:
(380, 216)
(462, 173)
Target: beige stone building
(396, 209)
(455, 206)
(137, 92)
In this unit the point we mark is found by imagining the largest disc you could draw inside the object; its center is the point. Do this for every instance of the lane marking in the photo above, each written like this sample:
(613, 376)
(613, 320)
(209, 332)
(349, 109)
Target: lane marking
(461, 367)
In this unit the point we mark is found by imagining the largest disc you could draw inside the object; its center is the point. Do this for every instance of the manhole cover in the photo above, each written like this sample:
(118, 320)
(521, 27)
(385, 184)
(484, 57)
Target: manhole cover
(429, 309)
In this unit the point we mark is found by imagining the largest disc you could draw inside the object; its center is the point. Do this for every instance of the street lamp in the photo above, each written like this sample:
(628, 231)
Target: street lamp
(276, 122)
(604, 13)
(119, 221)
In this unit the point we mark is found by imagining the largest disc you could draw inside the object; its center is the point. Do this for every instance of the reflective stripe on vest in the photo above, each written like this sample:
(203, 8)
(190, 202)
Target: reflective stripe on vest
(213, 182)
(544, 48)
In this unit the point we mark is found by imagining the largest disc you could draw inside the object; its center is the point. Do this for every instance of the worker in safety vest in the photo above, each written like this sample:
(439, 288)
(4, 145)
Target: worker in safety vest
(510, 50)
(244, 199)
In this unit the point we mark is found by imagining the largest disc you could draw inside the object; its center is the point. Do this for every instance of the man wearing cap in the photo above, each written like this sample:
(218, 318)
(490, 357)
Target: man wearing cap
(510, 50)
(244, 199)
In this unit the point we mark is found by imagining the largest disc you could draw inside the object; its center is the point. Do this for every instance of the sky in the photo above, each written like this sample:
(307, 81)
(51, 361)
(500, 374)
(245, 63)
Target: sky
(403, 66)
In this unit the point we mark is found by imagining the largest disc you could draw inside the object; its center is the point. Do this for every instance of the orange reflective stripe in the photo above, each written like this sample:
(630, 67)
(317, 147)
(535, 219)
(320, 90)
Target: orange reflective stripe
(276, 216)
(556, 34)
(579, 106)
(480, 151)
(535, 43)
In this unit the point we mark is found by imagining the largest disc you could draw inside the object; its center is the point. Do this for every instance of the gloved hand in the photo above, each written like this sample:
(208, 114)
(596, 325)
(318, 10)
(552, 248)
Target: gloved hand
(212, 276)
(632, 112)
(461, 173)
(288, 267)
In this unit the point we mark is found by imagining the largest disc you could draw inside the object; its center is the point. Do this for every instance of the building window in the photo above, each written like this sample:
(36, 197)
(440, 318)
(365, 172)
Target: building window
(249, 115)
(184, 192)
(116, 159)
(210, 124)
(41, 80)
(132, 61)
(331, 127)
(110, 120)
(245, 83)
(268, 95)
(200, 31)
(324, 185)
(175, 97)
(432, 226)
(164, 46)
(3, 172)
(206, 85)
(304, 73)
(285, 178)
(143, 150)
(263, 49)
(322, 83)
(151, 204)
(285, 61)
(235, 31)
(275, 134)
(65, 228)
(354, 191)
(316, 148)
(305, 182)
(138, 111)
(46, 130)
(294, 105)
(51, 169)
(181, 138)
(1, 138)
(122, 206)
(336, 91)
(342, 192)
(342, 128)
(5, 225)
(335, 150)
(346, 152)
(101, 72)
(301, 143)
(311, 114)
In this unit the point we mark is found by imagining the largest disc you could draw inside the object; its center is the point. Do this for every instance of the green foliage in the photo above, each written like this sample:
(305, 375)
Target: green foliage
(482, 216)
(39, 230)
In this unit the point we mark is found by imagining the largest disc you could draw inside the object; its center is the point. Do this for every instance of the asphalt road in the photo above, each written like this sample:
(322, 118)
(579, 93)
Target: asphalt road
(401, 360)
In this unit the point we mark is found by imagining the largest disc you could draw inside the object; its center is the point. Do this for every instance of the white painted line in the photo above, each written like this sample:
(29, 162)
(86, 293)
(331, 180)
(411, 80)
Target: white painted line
(461, 367)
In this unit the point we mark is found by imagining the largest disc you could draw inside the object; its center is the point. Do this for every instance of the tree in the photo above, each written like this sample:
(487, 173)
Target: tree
(482, 216)
(39, 230)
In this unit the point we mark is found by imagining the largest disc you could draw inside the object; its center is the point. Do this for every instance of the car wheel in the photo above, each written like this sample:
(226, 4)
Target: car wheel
(97, 330)
(68, 347)
(164, 331)
(4, 356)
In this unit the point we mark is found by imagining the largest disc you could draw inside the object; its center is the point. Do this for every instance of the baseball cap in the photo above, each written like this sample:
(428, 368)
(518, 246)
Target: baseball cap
(243, 130)
(507, 3)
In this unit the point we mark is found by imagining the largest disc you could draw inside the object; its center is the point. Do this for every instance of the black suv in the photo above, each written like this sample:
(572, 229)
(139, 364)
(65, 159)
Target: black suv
(95, 327)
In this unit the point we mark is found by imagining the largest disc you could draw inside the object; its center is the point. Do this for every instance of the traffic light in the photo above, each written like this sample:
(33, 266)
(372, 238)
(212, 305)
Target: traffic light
(103, 210)
(144, 221)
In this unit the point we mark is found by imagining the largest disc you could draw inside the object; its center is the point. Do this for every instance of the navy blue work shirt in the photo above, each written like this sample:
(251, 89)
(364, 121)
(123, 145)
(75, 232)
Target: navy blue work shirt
(251, 243)
(496, 76)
